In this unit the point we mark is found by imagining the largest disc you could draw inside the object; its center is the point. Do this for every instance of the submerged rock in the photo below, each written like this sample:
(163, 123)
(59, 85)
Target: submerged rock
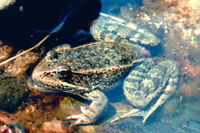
(5, 51)
(7, 124)
(56, 126)
(12, 93)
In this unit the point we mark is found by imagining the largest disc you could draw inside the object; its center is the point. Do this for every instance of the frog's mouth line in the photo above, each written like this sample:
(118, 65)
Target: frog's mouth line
(38, 86)
(35, 85)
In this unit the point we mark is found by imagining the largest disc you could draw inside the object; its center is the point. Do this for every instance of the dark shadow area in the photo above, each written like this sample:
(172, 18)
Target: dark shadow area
(25, 23)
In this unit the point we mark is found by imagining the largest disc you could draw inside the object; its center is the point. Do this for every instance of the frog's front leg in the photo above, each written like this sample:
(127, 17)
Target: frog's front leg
(91, 114)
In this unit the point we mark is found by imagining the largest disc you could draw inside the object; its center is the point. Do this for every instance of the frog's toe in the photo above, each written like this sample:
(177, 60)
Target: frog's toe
(132, 113)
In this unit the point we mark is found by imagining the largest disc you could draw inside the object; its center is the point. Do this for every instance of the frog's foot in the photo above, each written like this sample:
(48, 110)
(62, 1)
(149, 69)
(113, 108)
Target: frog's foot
(91, 114)
(131, 113)
(168, 91)
(134, 113)
(162, 99)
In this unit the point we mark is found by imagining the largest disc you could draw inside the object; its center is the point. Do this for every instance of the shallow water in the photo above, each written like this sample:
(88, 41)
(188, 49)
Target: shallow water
(181, 112)
(179, 41)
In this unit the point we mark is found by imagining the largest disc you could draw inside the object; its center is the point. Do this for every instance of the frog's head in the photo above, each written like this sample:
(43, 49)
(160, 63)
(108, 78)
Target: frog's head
(53, 77)
(49, 75)
(50, 70)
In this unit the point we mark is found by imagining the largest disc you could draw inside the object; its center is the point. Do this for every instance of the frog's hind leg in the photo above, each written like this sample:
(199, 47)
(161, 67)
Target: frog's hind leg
(167, 93)
(91, 114)
(169, 89)
(172, 75)
(145, 114)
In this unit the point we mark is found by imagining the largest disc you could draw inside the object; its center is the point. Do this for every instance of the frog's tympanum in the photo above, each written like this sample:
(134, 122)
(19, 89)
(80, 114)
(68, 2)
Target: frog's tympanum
(89, 69)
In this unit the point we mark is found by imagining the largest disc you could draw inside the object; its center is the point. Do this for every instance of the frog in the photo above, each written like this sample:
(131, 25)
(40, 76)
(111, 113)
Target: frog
(90, 69)
(84, 71)
(149, 85)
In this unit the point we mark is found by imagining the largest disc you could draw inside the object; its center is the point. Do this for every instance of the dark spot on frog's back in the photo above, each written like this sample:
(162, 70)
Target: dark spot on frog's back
(125, 61)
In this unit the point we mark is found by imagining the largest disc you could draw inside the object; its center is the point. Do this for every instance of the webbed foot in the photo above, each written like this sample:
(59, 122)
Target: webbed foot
(91, 114)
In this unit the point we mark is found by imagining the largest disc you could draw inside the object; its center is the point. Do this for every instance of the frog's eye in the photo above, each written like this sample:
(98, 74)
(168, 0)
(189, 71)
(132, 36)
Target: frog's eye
(55, 56)
(65, 74)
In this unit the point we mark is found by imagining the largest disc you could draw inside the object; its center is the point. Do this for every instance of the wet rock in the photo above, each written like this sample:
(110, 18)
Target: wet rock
(56, 126)
(37, 110)
(5, 51)
(12, 93)
(7, 124)
(20, 65)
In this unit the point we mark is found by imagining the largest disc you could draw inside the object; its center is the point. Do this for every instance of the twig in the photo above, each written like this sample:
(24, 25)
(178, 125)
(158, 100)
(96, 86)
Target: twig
(69, 11)
(24, 52)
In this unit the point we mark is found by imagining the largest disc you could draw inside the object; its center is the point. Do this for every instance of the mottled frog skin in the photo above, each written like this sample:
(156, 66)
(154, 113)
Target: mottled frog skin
(84, 71)
(88, 69)
(151, 83)
(113, 29)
